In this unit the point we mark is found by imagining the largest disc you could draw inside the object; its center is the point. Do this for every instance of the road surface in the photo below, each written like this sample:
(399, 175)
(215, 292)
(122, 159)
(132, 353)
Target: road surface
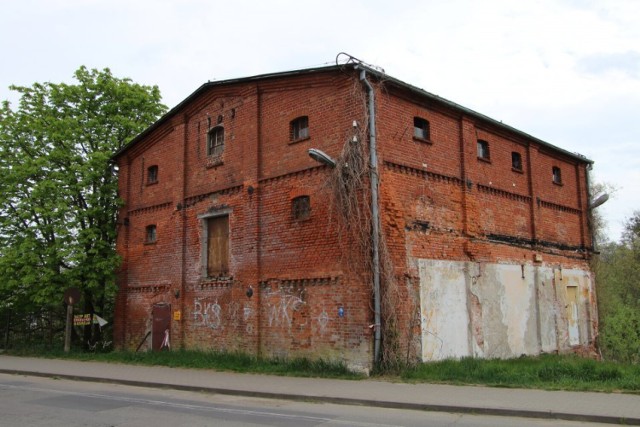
(43, 402)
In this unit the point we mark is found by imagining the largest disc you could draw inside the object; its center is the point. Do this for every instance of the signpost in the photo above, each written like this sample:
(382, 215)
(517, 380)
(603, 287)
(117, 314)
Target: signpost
(71, 296)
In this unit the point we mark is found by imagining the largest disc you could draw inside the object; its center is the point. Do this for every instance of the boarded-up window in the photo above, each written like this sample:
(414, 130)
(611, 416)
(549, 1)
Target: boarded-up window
(301, 208)
(218, 246)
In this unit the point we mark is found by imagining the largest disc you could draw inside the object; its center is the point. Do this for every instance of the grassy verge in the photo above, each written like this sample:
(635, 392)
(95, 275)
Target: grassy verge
(235, 362)
(550, 372)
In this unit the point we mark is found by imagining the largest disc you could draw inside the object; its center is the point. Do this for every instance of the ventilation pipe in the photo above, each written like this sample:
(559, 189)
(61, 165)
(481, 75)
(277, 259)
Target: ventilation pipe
(375, 216)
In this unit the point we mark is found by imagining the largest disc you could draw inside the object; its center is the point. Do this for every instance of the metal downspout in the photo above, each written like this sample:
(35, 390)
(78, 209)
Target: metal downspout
(592, 234)
(375, 216)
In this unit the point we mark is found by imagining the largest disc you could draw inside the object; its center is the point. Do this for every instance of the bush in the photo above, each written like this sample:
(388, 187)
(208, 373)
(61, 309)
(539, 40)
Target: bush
(620, 335)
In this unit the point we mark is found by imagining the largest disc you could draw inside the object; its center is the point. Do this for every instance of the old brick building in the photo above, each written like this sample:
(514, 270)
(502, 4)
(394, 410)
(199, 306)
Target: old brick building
(233, 238)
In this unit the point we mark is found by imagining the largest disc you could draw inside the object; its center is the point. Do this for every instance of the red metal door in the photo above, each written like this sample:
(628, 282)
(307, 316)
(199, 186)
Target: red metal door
(161, 328)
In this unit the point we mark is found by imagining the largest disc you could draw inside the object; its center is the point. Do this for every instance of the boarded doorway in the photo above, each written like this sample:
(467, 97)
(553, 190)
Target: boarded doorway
(443, 307)
(572, 315)
(160, 338)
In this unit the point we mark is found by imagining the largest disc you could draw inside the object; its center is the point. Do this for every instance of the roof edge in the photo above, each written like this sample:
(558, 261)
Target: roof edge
(387, 78)
(378, 74)
(165, 117)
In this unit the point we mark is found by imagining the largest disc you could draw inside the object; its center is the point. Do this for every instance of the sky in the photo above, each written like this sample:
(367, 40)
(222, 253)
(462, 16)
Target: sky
(564, 71)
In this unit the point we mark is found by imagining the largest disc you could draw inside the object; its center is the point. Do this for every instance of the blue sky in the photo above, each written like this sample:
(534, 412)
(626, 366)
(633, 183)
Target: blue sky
(567, 72)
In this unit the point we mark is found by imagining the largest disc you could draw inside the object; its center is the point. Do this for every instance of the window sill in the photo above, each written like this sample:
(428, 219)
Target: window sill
(517, 170)
(152, 183)
(484, 159)
(214, 161)
(296, 141)
(222, 281)
(150, 243)
(422, 140)
(560, 184)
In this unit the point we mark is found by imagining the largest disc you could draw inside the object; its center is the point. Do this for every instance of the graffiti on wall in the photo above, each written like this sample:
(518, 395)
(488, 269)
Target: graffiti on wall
(207, 313)
(279, 309)
(323, 321)
(281, 305)
(210, 314)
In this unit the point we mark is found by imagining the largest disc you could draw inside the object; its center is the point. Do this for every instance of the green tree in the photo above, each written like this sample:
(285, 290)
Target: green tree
(597, 221)
(58, 187)
(618, 277)
(631, 234)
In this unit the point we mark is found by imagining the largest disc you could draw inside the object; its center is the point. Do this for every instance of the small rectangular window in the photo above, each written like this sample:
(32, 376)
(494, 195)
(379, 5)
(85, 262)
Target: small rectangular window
(218, 246)
(150, 234)
(152, 174)
(299, 128)
(516, 161)
(483, 150)
(557, 175)
(215, 141)
(301, 207)
(421, 128)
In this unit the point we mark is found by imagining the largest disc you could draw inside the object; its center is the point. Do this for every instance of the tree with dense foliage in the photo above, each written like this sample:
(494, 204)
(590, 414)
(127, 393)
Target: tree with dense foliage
(618, 277)
(58, 186)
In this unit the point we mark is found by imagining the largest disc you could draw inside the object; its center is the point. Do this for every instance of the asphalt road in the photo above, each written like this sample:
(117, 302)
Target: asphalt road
(34, 401)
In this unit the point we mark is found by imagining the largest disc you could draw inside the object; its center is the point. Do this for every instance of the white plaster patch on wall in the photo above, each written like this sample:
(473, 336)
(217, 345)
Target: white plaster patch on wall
(516, 305)
(491, 310)
(578, 285)
(547, 310)
(444, 314)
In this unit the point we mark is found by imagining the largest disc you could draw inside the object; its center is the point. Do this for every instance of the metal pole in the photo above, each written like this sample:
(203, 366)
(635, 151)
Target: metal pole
(67, 331)
(375, 216)
(6, 336)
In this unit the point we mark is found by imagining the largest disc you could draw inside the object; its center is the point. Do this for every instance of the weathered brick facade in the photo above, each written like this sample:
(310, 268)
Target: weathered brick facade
(494, 254)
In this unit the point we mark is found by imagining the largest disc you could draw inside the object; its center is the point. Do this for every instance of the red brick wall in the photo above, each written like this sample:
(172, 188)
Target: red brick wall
(303, 301)
(438, 201)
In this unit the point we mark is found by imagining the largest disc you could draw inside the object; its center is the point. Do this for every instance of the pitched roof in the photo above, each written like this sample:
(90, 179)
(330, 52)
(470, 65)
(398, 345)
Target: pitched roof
(377, 74)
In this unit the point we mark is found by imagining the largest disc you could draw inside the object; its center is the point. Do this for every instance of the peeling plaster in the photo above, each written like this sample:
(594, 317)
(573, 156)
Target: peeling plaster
(492, 311)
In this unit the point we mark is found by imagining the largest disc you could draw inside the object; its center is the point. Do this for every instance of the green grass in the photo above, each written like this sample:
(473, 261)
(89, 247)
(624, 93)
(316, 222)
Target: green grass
(550, 372)
(235, 362)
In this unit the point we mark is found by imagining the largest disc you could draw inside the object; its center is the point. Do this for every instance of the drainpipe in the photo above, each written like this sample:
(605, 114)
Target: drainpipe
(375, 216)
(592, 233)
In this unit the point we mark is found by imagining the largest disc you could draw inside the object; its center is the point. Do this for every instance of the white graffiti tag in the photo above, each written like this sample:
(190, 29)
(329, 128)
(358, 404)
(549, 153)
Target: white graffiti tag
(280, 307)
(233, 309)
(246, 316)
(207, 313)
(323, 321)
